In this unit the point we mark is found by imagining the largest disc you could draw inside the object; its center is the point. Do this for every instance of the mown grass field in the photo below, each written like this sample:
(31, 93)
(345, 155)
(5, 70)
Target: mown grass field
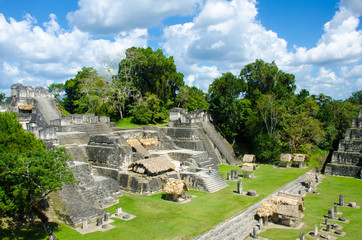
(160, 219)
(127, 123)
(317, 206)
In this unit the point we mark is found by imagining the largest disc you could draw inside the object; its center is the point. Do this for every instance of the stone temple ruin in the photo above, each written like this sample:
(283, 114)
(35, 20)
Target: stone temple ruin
(347, 161)
(106, 159)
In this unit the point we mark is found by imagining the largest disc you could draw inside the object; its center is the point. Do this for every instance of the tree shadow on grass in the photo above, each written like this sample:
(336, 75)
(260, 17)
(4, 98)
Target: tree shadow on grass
(32, 231)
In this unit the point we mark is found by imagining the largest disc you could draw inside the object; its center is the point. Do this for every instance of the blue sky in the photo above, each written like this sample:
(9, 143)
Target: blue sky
(319, 41)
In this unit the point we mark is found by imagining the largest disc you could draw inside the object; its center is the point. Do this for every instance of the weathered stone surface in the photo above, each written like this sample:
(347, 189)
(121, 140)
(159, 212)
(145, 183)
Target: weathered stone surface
(343, 219)
(347, 160)
(341, 200)
(301, 236)
(251, 193)
(331, 213)
(108, 151)
(315, 232)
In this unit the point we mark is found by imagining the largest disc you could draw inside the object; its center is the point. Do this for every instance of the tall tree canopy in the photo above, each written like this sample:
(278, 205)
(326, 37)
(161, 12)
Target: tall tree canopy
(223, 97)
(151, 71)
(260, 113)
(28, 172)
(192, 98)
(266, 78)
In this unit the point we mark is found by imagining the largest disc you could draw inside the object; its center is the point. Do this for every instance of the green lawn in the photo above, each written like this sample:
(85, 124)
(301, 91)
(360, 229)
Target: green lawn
(160, 219)
(126, 123)
(317, 206)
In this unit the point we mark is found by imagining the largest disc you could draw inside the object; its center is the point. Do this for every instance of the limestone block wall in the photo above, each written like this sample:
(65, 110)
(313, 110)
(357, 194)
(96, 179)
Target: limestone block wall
(347, 161)
(20, 91)
(109, 151)
(76, 203)
(181, 117)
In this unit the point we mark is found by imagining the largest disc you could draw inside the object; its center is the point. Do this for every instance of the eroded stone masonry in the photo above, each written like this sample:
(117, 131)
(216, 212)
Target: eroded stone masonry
(347, 160)
(107, 159)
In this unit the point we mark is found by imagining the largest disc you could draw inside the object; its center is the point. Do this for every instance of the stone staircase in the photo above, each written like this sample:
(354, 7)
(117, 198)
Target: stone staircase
(213, 182)
(203, 160)
(47, 109)
(221, 144)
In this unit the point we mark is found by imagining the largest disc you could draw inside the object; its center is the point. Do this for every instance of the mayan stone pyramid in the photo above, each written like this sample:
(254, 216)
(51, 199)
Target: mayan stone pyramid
(347, 160)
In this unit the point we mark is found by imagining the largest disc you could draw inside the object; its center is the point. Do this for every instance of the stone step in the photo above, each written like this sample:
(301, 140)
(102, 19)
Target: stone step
(350, 146)
(347, 158)
(214, 182)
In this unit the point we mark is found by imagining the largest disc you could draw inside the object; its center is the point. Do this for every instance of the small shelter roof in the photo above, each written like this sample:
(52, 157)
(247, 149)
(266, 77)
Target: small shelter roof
(175, 186)
(310, 177)
(299, 157)
(249, 158)
(288, 210)
(26, 107)
(149, 142)
(285, 200)
(155, 165)
(290, 195)
(253, 165)
(286, 157)
(266, 209)
(133, 142)
(287, 206)
(247, 168)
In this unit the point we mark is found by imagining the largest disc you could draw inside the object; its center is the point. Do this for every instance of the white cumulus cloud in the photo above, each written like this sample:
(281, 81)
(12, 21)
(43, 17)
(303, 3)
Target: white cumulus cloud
(104, 17)
(35, 55)
(227, 35)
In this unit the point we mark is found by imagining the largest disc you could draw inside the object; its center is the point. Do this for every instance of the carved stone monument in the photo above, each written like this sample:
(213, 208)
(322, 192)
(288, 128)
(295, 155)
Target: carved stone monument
(331, 213)
(240, 187)
(301, 236)
(255, 233)
(315, 233)
(341, 200)
(118, 211)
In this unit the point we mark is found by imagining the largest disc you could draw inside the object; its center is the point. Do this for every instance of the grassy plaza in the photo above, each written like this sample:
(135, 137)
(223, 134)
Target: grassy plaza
(160, 219)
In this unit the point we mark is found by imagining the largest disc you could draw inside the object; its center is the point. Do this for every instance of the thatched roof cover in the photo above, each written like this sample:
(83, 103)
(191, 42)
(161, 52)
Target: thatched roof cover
(286, 157)
(288, 210)
(175, 186)
(155, 165)
(299, 157)
(253, 165)
(310, 177)
(133, 142)
(286, 201)
(290, 195)
(247, 168)
(26, 107)
(149, 142)
(142, 150)
(266, 209)
(249, 158)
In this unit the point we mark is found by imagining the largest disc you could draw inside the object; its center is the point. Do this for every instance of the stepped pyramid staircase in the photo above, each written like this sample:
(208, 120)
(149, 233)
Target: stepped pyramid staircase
(347, 161)
(213, 182)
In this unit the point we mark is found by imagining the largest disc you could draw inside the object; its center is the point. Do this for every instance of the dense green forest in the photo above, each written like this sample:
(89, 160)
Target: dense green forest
(257, 111)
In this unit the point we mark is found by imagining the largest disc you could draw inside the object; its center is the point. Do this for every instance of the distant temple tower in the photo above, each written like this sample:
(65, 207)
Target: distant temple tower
(347, 160)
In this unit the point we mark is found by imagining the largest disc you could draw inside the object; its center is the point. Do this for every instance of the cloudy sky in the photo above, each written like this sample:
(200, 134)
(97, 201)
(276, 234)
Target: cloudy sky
(319, 41)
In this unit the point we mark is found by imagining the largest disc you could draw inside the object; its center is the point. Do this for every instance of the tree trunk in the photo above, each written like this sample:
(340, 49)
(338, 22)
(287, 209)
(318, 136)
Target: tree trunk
(45, 221)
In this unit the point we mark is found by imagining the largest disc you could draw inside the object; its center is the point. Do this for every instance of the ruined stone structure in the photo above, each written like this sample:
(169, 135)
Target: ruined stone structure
(347, 161)
(101, 155)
